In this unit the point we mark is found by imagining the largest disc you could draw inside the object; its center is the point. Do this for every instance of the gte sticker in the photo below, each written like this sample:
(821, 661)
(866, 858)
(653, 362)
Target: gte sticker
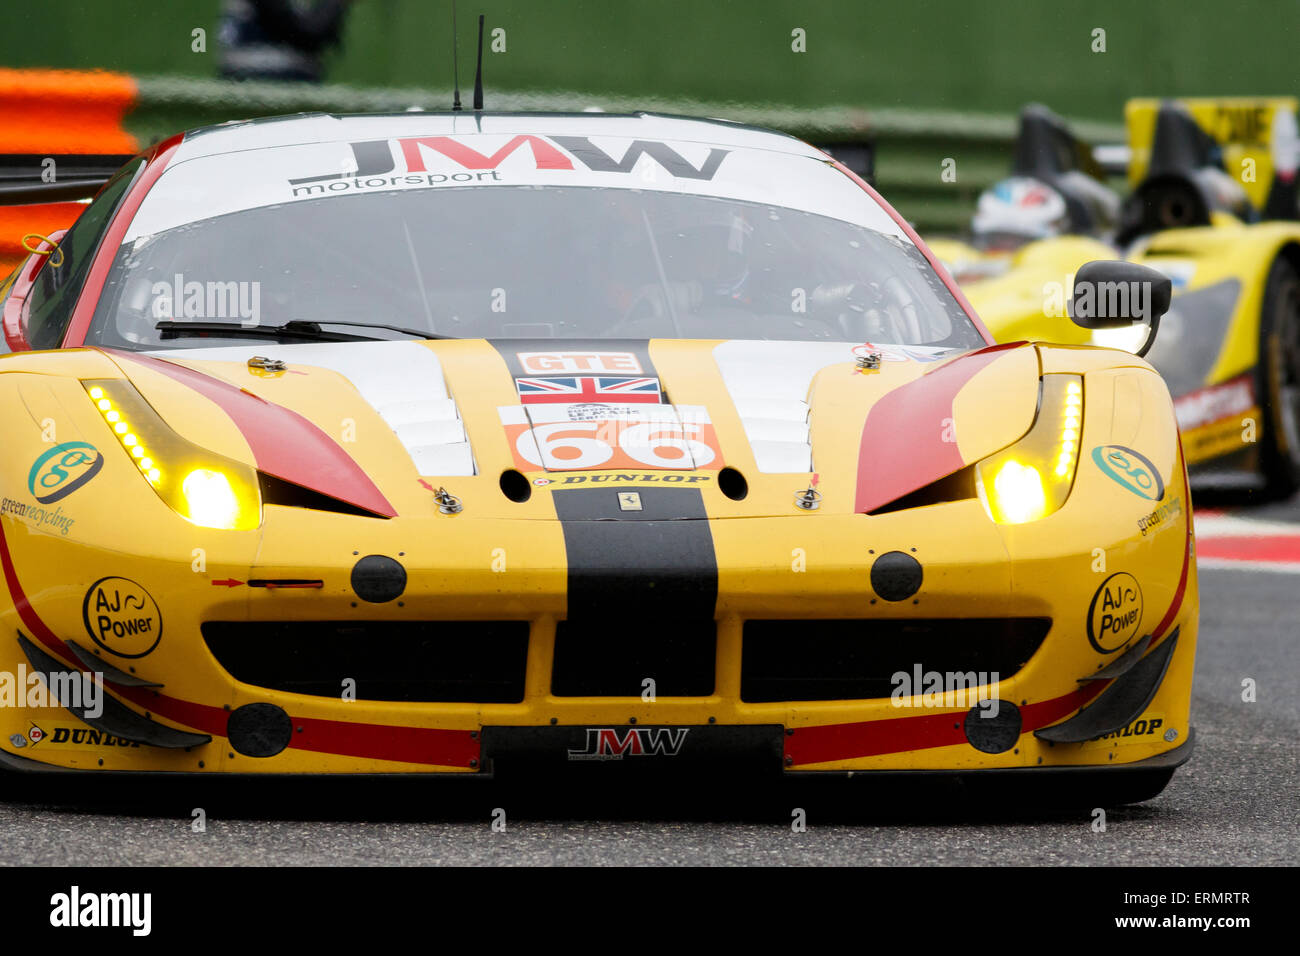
(583, 388)
(122, 617)
(614, 743)
(62, 470)
(557, 363)
(1115, 613)
(1130, 469)
(616, 437)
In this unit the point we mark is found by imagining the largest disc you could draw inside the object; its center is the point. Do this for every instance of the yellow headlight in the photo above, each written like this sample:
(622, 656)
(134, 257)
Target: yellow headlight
(211, 499)
(1018, 493)
(1033, 477)
(201, 486)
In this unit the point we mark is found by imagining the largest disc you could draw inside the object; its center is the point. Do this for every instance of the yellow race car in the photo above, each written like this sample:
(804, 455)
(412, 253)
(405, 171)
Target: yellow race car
(1213, 208)
(439, 443)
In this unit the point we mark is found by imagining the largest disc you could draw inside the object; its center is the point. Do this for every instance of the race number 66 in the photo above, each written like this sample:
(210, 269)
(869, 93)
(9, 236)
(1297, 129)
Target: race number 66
(592, 444)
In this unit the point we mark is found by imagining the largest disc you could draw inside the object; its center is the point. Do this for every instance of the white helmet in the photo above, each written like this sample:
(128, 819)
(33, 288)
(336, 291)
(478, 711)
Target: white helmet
(1020, 208)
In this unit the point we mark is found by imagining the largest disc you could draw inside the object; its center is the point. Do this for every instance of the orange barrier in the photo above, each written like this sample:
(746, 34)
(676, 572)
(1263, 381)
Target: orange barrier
(47, 112)
(17, 221)
(53, 112)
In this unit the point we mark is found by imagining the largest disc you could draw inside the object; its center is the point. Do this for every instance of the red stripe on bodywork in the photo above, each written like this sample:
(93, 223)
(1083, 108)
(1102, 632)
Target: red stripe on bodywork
(450, 748)
(917, 411)
(285, 444)
(87, 300)
(26, 613)
(1176, 604)
(873, 738)
(421, 745)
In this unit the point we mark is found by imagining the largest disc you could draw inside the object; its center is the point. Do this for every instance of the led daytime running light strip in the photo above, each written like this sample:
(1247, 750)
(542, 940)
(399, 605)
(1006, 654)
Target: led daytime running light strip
(122, 429)
(205, 488)
(1071, 427)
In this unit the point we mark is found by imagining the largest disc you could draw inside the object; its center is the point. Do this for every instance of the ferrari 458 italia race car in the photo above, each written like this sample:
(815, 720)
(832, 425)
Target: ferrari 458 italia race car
(432, 442)
(1213, 208)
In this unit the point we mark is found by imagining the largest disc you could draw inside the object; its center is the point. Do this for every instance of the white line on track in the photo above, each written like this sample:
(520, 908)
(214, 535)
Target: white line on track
(1221, 525)
(1228, 564)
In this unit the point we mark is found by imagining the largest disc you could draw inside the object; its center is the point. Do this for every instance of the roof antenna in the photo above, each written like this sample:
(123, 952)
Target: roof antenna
(478, 70)
(455, 66)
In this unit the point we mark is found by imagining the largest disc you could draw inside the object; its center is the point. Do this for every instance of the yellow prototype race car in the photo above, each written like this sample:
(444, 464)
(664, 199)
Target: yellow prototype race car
(1213, 208)
(442, 443)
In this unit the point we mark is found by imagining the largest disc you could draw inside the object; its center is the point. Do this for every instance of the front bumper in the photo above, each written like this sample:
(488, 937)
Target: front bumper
(805, 569)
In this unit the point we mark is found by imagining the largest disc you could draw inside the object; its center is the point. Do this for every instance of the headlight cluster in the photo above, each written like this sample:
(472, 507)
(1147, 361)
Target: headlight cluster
(1033, 477)
(201, 486)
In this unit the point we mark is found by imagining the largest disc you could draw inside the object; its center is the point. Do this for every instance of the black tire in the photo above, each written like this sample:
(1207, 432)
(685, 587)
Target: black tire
(1277, 381)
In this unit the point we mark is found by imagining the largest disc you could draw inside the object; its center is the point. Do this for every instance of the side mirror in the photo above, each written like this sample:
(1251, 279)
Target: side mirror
(12, 314)
(1111, 294)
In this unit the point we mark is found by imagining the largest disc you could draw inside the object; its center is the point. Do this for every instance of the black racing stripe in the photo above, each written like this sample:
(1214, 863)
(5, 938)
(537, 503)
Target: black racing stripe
(657, 563)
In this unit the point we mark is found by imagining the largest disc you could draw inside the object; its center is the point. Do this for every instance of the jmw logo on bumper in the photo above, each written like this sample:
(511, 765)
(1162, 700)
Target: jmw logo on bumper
(613, 743)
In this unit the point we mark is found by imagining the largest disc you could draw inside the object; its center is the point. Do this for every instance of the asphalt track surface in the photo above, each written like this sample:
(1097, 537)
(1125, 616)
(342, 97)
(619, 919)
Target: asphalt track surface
(1236, 803)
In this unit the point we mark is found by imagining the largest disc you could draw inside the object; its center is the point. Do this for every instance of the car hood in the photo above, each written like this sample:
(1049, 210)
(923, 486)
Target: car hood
(381, 426)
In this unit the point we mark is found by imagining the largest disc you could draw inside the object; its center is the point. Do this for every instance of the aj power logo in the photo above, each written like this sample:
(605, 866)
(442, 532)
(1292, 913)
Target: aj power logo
(122, 617)
(1115, 614)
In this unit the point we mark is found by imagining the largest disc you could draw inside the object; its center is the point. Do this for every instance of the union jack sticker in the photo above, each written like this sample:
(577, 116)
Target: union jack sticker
(568, 389)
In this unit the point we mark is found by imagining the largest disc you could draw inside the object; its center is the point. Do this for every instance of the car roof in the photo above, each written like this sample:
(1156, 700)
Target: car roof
(302, 128)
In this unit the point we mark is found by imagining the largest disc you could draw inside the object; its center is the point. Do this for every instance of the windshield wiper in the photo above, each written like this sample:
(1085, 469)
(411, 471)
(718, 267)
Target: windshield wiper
(376, 325)
(295, 329)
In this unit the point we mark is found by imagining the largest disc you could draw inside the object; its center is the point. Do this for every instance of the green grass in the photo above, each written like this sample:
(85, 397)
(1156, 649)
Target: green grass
(984, 55)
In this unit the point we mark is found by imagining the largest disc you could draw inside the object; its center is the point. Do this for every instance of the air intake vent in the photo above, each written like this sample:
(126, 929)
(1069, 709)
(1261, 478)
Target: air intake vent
(594, 660)
(277, 491)
(857, 659)
(480, 662)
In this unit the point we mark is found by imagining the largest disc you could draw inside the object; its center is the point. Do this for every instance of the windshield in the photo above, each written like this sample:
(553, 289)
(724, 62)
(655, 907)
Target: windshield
(528, 261)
